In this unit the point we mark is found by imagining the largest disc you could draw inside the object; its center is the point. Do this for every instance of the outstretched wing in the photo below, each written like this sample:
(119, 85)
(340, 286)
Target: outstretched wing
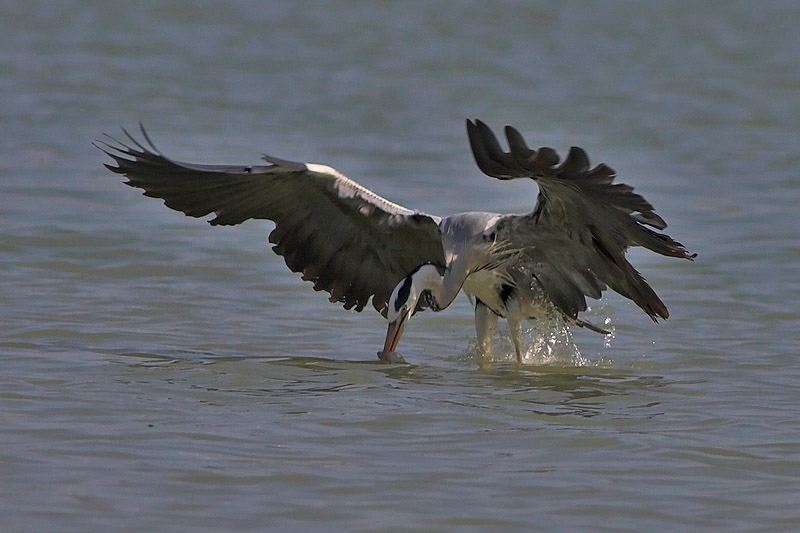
(576, 238)
(341, 236)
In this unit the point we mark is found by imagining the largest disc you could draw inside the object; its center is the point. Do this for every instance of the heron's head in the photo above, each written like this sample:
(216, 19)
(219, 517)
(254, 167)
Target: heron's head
(415, 292)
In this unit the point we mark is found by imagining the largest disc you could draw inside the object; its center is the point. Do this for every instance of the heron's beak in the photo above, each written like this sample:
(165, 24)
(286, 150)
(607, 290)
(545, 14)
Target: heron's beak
(393, 335)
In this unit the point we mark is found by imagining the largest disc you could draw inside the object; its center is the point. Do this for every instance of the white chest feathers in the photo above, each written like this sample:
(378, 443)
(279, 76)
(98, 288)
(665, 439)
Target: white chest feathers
(491, 288)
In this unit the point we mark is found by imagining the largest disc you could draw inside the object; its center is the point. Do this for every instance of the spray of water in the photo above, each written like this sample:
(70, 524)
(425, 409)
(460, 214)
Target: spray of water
(547, 341)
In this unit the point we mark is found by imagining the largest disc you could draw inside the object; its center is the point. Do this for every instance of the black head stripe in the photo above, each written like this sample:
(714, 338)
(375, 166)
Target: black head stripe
(402, 294)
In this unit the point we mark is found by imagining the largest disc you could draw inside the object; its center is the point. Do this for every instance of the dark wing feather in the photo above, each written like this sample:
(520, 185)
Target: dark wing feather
(576, 238)
(344, 238)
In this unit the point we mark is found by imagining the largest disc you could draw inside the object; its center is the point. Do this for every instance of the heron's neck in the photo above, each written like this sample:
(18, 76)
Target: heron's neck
(442, 288)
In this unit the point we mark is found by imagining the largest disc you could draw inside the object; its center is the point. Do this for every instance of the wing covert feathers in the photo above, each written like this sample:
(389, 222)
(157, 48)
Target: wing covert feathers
(339, 235)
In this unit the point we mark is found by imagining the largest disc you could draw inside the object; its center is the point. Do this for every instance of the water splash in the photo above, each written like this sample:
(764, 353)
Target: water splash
(611, 335)
(550, 342)
(546, 341)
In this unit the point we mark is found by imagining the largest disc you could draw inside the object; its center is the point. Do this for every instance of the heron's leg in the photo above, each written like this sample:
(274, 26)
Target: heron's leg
(515, 330)
(485, 322)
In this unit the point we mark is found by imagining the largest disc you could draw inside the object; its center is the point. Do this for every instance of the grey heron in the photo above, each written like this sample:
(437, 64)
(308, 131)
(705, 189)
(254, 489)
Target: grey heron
(357, 246)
